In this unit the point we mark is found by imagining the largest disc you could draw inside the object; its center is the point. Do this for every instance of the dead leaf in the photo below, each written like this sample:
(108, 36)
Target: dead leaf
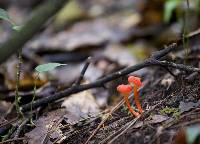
(27, 77)
(46, 127)
(120, 54)
(157, 119)
(99, 7)
(80, 105)
(138, 124)
(90, 33)
(186, 106)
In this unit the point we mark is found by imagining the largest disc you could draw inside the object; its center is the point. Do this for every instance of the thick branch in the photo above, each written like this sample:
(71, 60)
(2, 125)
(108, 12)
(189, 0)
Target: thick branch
(40, 16)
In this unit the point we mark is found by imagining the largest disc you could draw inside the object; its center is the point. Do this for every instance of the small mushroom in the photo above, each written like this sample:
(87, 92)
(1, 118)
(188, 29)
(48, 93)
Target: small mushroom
(135, 82)
(125, 90)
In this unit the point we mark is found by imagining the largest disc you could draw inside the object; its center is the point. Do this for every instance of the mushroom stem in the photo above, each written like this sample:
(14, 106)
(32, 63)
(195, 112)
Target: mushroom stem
(134, 113)
(136, 99)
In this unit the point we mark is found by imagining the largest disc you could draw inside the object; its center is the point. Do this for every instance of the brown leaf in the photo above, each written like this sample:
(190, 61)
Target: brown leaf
(46, 127)
(120, 54)
(157, 119)
(80, 105)
(186, 106)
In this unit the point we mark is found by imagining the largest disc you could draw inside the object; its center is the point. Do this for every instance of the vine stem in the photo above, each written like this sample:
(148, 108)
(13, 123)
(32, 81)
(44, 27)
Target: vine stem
(18, 73)
(34, 95)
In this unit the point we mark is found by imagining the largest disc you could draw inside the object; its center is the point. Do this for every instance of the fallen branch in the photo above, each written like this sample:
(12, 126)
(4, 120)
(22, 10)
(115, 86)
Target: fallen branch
(40, 16)
(99, 83)
(153, 60)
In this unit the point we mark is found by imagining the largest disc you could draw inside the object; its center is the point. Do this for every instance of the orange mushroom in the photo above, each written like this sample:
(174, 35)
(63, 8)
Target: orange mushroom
(125, 90)
(135, 82)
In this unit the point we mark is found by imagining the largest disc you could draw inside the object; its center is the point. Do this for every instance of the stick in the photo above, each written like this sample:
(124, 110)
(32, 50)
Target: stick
(83, 71)
(100, 82)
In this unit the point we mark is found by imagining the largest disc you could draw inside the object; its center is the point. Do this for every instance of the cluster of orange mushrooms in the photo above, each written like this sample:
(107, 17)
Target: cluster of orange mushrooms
(125, 90)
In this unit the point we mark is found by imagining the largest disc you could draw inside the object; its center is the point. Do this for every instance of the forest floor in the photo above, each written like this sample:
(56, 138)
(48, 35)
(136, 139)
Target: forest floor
(102, 45)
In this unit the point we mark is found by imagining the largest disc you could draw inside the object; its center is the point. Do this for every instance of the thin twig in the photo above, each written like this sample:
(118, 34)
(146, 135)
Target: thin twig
(19, 129)
(24, 94)
(177, 66)
(169, 71)
(104, 120)
(124, 129)
(83, 71)
(9, 122)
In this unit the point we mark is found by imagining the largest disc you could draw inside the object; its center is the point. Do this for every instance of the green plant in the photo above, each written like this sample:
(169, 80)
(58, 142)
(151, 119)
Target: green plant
(4, 15)
(47, 67)
(169, 7)
(40, 69)
(174, 111)
(17, 96)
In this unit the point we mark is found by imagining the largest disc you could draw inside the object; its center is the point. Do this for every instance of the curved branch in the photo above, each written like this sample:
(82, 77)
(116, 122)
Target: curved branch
(100, 82)
(153, 60)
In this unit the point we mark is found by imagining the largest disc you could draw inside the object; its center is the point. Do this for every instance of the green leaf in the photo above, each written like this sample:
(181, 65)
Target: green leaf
(47, 67)
(17, 28)
(169, 6)
(4, 15)
(192, 132)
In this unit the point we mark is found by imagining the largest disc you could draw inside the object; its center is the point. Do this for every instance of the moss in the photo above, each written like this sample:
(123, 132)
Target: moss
(174, 111)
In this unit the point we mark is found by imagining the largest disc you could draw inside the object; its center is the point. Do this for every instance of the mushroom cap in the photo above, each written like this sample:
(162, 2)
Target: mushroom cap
(135, 80)
(124, 88)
